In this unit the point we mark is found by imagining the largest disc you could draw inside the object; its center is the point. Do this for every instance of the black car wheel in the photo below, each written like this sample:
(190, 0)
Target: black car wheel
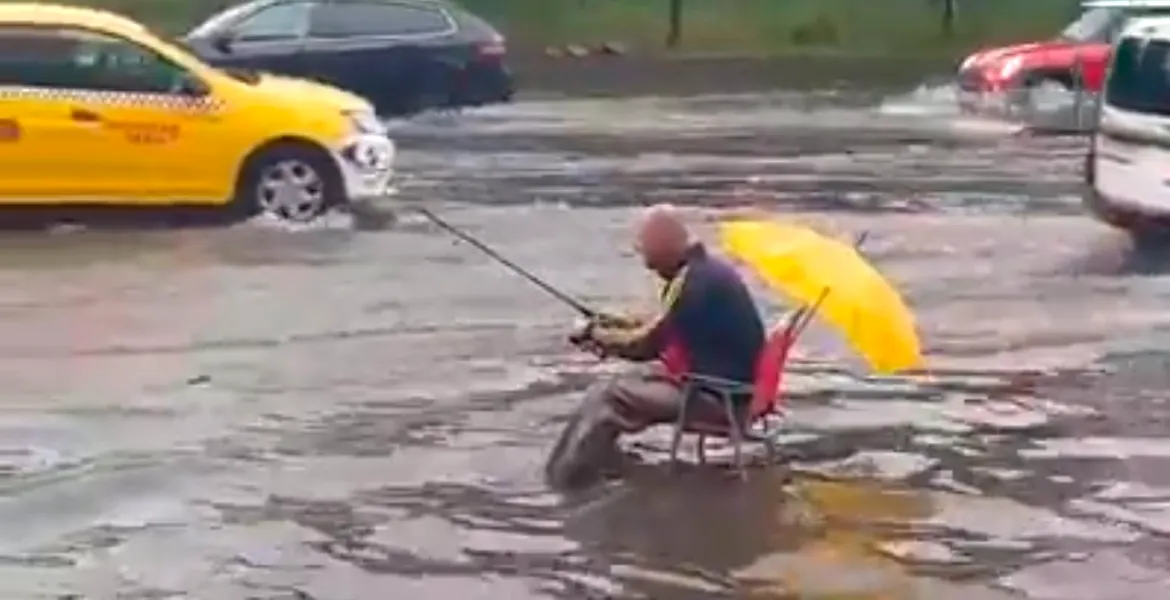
(295, 181)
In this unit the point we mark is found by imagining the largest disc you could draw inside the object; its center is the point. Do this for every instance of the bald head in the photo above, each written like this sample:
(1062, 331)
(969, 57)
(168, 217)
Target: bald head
(662, 238)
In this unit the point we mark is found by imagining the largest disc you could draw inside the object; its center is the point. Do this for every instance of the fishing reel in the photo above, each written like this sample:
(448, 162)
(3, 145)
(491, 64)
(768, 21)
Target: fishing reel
(582, 331)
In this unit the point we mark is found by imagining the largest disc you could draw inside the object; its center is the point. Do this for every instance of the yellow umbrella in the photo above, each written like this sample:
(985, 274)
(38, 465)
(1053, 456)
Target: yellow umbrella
(806, 266)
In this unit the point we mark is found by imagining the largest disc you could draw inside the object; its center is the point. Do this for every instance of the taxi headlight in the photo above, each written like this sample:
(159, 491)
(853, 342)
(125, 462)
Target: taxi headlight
(368, 156)
(365, 121)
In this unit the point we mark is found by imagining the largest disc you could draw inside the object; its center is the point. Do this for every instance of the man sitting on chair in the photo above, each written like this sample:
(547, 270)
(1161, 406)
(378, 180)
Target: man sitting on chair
(709, 326)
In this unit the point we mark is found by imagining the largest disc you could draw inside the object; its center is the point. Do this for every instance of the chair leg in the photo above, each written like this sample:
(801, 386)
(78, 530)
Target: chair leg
(735, 427)
(762, 437)
(679, 426)
(770, 449)
(702, 448)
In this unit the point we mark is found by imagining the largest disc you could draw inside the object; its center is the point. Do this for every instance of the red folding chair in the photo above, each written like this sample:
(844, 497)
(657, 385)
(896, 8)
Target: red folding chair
(745, 406)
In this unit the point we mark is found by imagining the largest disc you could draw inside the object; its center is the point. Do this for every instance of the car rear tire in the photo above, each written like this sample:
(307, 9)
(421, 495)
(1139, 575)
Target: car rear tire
(295, 181)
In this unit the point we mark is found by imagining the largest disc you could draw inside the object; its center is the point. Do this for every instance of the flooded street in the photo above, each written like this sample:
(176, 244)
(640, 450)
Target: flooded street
(337, 414)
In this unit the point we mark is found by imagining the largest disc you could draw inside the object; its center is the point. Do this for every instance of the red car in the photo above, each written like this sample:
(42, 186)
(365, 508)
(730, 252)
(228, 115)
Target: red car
(997, 80)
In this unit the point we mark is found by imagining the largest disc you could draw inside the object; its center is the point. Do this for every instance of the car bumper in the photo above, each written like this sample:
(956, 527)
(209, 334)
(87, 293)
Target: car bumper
(366, 165)
(482, 85)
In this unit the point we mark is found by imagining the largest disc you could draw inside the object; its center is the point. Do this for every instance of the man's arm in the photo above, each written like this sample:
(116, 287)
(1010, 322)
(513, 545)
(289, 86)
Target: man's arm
(645, 340)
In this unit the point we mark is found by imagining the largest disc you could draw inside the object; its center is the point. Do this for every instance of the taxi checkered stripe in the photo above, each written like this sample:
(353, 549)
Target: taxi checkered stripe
(113, 98)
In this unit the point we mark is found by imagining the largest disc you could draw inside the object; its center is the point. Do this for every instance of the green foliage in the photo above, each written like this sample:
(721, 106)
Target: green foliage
(896, 27)
(169, 16)
(893, 27)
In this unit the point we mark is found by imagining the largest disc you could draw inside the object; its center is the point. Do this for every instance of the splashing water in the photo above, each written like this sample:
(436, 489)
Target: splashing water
(925, 100)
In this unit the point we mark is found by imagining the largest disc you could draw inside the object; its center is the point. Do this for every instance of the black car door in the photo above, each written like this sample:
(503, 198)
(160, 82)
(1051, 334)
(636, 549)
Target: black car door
(270, 39)
(383, 51)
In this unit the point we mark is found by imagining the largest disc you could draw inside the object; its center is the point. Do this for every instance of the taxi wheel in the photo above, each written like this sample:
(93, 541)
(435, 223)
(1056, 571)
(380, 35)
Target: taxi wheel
(296, 182)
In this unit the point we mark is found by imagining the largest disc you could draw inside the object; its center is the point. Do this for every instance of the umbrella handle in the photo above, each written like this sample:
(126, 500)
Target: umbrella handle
(808, 312)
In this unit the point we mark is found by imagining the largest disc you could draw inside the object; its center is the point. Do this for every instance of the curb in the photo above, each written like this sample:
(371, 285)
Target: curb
(584, 51)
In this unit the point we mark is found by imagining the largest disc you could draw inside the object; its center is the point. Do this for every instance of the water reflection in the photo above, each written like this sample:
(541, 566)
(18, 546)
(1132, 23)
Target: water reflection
(844, 553)
(687, 535)
(694, 535)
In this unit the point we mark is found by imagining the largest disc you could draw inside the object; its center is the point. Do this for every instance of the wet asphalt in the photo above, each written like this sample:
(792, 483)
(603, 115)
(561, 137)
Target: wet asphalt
(342, 412)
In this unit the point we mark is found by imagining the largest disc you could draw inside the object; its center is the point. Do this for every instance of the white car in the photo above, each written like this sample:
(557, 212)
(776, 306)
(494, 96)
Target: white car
(1127, 170)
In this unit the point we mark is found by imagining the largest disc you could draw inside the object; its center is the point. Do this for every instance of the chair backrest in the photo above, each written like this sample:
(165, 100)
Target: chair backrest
(772, 362)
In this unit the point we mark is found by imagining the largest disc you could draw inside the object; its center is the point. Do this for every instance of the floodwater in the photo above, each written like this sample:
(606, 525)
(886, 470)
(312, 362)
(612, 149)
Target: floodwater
(345, 414)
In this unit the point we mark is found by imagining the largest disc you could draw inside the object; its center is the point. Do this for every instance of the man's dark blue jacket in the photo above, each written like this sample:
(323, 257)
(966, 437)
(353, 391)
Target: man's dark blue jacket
(709, 311)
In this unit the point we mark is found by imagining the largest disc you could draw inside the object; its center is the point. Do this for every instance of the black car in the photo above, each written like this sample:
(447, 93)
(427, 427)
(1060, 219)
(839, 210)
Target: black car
(405, 56)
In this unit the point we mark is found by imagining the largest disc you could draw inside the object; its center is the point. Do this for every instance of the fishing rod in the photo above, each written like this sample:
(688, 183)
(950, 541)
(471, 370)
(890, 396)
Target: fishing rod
(575, 304)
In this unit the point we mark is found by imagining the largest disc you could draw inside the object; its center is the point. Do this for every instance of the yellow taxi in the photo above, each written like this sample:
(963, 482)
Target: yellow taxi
(95, 110)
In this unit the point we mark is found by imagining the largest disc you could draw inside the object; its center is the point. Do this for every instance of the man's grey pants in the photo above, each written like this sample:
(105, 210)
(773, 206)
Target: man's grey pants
(626, 403)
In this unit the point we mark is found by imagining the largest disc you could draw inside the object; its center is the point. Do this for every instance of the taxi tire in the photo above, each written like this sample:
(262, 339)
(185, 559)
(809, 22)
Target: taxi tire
(246, 205)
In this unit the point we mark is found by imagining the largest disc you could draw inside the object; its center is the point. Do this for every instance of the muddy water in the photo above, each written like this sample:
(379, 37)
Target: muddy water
(341, 415)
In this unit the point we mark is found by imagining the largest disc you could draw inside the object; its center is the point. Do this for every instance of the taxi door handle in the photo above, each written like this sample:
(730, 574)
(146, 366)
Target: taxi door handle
(84, 116)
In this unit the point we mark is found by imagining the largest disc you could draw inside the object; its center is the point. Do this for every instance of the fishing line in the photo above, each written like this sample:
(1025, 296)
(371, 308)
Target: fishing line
(515, 268)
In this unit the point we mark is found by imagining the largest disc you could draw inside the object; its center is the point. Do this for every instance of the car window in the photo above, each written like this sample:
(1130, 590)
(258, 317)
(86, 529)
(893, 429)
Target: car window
(1094, 25)
(285, 21)
(217, 21)
(343, 20)
(79, 59)
(1139, 79)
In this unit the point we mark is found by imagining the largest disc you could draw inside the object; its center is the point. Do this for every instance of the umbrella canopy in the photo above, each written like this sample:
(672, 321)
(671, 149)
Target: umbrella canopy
(853, 296)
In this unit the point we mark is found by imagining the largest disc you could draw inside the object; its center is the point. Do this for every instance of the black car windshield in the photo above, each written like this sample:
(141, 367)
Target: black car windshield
(1094, 25)
(1140, 78)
